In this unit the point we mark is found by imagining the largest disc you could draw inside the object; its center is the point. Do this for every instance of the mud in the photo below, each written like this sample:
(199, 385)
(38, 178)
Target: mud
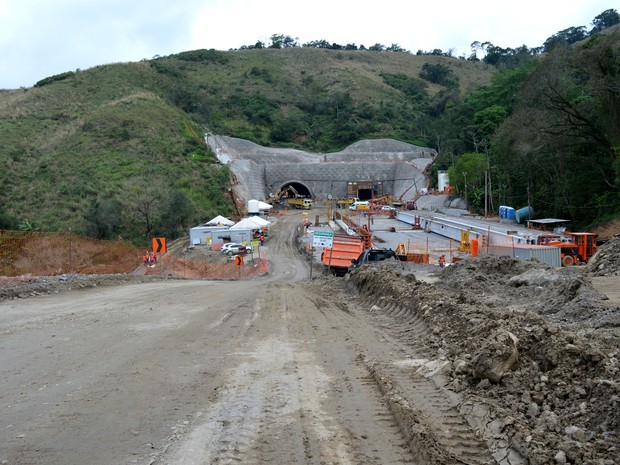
(536, 346)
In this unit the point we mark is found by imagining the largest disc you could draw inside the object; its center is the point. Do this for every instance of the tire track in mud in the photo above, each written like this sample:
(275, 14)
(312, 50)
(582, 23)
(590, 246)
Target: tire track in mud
(413, 386)
(270, 409)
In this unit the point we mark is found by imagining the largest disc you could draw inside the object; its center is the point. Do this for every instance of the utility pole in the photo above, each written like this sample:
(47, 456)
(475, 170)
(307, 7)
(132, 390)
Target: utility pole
(465, 176)
(486, 193)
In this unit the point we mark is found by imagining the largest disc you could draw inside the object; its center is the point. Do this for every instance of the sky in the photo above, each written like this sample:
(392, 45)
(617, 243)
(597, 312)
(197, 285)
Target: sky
(41, 38)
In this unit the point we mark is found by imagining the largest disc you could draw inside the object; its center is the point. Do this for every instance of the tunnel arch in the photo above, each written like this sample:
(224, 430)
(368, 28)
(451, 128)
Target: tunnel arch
(302, 189)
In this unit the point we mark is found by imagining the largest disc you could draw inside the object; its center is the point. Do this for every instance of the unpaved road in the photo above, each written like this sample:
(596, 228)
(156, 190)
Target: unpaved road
(277, 370)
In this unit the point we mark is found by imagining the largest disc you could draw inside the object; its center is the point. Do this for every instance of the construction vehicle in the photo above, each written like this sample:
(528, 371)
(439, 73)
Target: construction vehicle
(286, 191)
(345, 203)
(574, 247)
(378, 202)
(360, 205)
(302, 203)
(372, 255)
(338, 258)
(407, 204)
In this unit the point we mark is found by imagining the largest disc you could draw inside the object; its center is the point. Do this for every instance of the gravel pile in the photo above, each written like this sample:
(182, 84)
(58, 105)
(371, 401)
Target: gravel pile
(606, 261)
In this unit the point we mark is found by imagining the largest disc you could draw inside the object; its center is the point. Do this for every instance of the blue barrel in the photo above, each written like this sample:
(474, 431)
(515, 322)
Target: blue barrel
(523, 214)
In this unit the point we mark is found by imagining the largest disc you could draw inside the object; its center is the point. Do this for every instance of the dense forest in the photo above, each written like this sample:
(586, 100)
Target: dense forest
(117, 150)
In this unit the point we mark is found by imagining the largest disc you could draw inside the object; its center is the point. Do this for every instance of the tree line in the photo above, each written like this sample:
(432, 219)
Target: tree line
(491, 54)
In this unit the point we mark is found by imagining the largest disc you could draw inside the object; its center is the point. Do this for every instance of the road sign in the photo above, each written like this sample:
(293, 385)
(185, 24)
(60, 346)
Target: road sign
(159, 244)
(322, 239)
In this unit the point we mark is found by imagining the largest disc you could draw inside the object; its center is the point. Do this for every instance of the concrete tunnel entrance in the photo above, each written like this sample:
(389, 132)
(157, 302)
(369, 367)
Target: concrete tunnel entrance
(301, 189)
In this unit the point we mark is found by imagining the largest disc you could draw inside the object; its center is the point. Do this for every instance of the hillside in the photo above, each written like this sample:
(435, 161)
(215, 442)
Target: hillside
(118, 150)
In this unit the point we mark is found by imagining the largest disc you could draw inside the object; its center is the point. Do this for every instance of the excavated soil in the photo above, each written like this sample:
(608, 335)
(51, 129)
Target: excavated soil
(536, 346)
(606, 261)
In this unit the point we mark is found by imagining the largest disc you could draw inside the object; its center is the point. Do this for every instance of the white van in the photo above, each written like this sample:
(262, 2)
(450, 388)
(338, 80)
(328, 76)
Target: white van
(360, 205)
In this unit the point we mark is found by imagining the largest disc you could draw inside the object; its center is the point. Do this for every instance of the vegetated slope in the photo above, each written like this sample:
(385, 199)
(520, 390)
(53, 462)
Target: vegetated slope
(102, 149)
(318, 99)
(118, 149)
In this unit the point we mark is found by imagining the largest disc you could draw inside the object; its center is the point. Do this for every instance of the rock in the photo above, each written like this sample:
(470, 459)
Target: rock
(485, 383)
(576, 433)
(560, 458)
(533, 410)
(460, 367)
(497, 356)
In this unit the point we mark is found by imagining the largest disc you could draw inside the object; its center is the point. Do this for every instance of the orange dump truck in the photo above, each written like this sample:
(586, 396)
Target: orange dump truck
(338, 258)
(574, 247)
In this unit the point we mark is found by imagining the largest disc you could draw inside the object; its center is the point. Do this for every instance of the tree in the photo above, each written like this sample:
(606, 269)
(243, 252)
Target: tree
(176, 213)
(7, 221)
(103, 218)
(566, 37)
(562, 141)
(282, 41)
(467, 175)
(605, 20)
(143, 201)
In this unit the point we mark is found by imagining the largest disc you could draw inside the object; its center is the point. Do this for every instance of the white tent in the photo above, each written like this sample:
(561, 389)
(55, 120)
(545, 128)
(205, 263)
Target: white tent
(221, 221)
(250, 223)
(260, 221)
(264, 206)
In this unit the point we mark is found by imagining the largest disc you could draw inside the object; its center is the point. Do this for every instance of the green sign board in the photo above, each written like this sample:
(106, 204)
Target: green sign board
(322, 239)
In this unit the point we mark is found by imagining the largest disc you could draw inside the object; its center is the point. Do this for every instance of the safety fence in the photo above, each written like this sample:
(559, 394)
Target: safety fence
(48, 254)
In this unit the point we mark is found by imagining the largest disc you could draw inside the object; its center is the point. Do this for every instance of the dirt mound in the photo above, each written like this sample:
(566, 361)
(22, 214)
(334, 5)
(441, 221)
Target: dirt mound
(30, 286)
(606, 261)
(552, 391)
(562, 294)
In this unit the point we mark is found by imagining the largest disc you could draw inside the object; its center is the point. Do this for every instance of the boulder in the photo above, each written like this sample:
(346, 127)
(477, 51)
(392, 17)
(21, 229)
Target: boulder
(497, 355)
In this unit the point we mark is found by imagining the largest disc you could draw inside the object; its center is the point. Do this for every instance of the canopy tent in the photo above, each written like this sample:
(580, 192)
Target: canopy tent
(220, 220)
(264, 206)
(250, 223)
(260, 221)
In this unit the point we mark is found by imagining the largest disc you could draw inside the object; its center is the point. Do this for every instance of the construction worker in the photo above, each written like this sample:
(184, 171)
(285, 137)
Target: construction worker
(262, 239)
(442, 261)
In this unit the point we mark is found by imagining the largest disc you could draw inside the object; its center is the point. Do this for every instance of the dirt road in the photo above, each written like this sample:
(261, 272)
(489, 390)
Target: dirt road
(274, 370)
(197, 372)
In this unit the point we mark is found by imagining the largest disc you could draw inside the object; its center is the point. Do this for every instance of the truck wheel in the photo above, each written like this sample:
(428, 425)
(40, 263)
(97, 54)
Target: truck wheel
(568, 260)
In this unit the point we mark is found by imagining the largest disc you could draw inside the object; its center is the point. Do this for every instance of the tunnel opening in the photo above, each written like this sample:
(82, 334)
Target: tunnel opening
(295, 189)
(364, 194)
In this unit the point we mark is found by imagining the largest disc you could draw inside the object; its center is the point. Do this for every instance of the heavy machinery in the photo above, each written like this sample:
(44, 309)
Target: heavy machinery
(300, 202)
(372, 255)
(282, 193)
(574, 247)
(346, 203)
(338, 258)
(407, 204)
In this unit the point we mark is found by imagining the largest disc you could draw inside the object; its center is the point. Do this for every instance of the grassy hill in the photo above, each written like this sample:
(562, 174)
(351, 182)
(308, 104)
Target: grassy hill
(118, 150)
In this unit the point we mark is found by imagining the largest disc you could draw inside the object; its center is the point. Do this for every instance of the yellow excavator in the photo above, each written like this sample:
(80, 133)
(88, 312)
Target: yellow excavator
(284, 191)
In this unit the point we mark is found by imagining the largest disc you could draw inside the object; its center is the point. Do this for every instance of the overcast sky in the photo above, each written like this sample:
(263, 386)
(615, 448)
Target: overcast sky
(40, 38)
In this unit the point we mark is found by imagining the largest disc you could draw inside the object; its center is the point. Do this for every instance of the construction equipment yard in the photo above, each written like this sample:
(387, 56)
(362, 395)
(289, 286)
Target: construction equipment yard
(490, 360)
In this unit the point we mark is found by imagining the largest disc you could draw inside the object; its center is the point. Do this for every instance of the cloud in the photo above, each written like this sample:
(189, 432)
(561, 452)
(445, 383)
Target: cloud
(40, 39)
